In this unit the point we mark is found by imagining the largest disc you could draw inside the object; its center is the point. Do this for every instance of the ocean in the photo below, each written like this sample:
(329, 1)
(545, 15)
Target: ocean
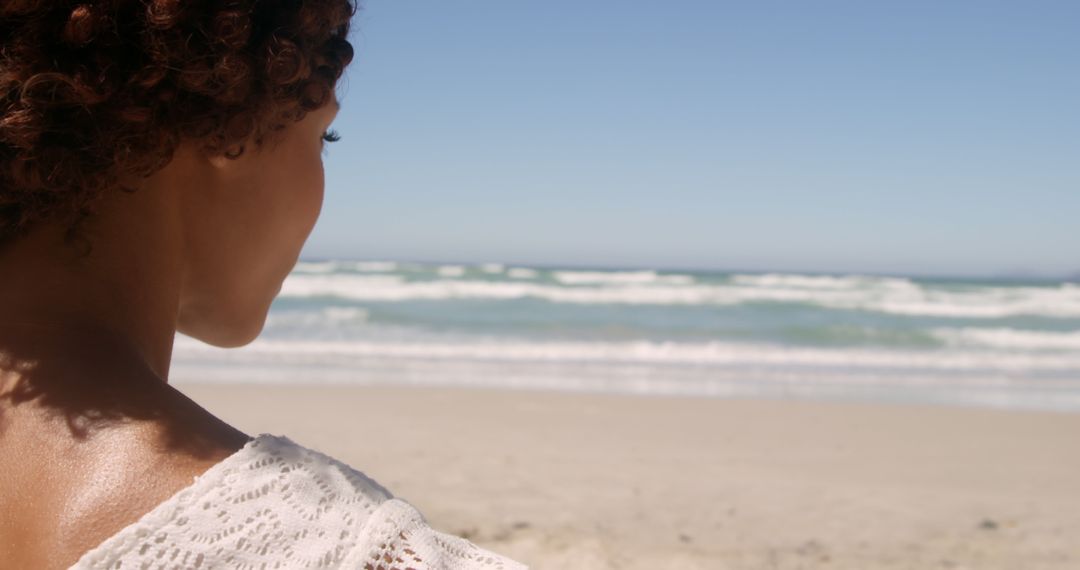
(1001, 344)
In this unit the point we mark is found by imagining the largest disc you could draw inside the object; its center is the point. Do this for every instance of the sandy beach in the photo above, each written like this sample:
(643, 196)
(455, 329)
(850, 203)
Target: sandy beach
(560, 480)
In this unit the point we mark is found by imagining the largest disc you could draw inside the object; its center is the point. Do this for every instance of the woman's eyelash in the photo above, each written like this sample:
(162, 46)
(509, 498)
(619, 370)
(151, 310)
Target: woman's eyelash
(331, 136)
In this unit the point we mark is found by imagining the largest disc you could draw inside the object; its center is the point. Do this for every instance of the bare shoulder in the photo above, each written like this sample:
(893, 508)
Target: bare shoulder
(62, 496)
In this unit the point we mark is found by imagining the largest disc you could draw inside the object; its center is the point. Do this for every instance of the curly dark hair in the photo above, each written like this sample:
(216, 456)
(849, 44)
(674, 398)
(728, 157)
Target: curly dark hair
(93, 92)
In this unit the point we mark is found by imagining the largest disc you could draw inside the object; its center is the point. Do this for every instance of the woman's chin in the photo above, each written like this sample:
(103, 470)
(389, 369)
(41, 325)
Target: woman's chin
(234, 332)
(232, 340)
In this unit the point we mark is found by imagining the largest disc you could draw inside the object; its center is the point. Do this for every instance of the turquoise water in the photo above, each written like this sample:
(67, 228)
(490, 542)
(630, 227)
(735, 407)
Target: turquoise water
(987, 343)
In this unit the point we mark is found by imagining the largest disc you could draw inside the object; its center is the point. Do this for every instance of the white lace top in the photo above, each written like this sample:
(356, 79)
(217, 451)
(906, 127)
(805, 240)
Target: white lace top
(275, 504)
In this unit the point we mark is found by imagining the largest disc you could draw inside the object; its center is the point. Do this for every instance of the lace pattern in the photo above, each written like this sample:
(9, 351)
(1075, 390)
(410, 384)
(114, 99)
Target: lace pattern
(275, 504)
(398, 538)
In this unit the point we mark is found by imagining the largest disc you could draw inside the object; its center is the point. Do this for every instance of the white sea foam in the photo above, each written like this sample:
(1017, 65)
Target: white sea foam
(619, 278)
(451, 270)
(374, 266)
(493, 268)
(646, 352)
(395, 289)
(522, 273)
(646, 288)
(984, 390)
(316, 267)
(298, 285)
(783, 280)
(984, 302)
(324, 267)
(328, 316)
(340, 314)
(1009, 339)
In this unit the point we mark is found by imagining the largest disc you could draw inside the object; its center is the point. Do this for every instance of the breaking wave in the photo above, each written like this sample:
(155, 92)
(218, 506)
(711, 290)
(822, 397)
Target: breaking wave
(882, 295)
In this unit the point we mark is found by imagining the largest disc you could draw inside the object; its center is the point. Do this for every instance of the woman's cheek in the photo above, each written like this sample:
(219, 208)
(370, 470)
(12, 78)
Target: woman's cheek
(314, 196)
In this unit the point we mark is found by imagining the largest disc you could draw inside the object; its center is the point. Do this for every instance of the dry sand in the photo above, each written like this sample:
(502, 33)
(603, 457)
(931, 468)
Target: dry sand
(600, 481)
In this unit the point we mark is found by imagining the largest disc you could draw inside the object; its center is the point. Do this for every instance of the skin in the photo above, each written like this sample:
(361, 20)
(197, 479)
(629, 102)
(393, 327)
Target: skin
(92, 436)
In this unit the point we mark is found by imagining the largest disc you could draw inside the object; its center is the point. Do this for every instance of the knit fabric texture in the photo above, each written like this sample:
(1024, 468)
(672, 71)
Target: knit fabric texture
(276, 504)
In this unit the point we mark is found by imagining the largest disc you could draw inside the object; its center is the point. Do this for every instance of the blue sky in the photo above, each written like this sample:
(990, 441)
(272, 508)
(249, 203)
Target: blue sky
(896, 137)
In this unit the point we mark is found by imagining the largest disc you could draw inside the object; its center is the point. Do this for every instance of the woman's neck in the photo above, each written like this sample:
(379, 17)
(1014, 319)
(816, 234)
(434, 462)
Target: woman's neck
(117, 282)
(91, 433)
(87, 325)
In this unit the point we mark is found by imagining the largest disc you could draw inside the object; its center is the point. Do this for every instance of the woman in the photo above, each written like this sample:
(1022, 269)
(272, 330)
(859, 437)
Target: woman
(160, 169)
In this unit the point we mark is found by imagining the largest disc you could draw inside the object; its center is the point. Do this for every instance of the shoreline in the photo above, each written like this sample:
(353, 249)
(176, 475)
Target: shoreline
(599, 481)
